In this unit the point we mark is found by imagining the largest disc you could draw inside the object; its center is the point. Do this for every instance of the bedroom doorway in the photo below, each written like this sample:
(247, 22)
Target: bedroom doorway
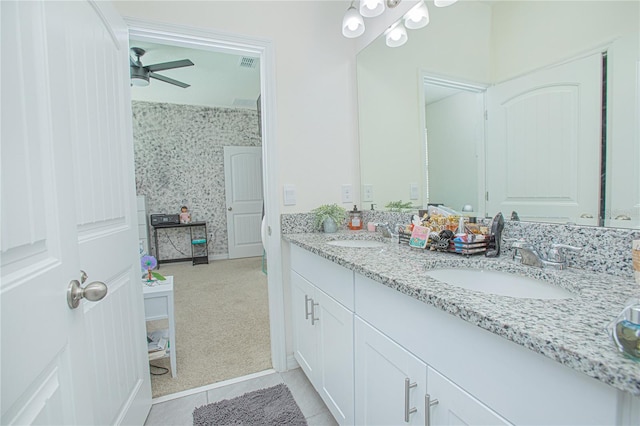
(196, 39)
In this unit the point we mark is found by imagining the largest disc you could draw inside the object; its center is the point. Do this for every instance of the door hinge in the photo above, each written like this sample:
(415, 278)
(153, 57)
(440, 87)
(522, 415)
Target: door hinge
(486, 196)
(486, 114)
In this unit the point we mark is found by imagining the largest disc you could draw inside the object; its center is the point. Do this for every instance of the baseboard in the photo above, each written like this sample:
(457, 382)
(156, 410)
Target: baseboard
(291, 362)
(219, 257)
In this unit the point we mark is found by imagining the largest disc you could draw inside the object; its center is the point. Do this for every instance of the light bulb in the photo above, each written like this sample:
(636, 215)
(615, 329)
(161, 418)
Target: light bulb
(352, 23)
(443, 3)
(417, 17)
(396, 35)
(371, 8)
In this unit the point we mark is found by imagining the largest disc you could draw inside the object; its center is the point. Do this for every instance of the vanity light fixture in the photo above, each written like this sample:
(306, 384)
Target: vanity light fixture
(396, 35)
(443, 3)
(417, 17)
(371, 8)
(352, 23)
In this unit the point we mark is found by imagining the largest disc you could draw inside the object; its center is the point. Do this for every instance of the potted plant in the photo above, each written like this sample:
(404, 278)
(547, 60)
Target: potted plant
(399, 206)
(328, 217)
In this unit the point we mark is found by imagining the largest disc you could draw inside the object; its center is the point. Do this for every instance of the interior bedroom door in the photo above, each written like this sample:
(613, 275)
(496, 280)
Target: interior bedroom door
(244, 200)
(68, 204)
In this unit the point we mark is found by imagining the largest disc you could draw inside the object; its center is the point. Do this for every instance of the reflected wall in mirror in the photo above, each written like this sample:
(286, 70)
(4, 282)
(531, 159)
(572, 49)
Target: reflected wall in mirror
(491, 44)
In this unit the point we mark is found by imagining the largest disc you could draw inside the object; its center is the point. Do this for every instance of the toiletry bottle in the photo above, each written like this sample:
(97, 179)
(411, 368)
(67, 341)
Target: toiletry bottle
(355, 218)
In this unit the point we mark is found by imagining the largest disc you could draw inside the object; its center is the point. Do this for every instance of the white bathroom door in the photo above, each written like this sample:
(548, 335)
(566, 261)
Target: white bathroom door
(68, 205)
(543, 144)
(244, 200)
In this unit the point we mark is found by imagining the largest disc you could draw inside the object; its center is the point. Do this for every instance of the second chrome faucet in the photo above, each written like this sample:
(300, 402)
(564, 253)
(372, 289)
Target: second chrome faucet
(556, 257)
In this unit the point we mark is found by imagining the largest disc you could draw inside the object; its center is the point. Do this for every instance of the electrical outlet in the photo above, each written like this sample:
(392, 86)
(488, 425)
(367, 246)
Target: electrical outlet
(413, 191)
(347, 193)
(367, 193)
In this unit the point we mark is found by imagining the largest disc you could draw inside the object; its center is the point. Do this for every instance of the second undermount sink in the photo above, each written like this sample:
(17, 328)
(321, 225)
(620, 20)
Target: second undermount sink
(356, 243)
(500, 283)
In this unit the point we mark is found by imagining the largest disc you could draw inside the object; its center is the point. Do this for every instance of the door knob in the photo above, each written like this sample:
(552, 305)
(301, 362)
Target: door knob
(230, 208)
(94, 291)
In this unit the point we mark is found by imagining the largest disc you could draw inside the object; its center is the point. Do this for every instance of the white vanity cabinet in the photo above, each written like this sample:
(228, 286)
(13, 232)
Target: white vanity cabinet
(322, 322)
(390, 382)
(479, 377)
(394, 387)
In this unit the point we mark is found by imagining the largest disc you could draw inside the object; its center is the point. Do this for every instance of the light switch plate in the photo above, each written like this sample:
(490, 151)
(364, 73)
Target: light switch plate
(347, 193)
(367, 193)
(289, 195)
(413, 191)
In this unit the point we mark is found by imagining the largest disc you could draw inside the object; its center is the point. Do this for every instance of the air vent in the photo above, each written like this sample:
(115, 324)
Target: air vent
(247, 62)
(244, 103)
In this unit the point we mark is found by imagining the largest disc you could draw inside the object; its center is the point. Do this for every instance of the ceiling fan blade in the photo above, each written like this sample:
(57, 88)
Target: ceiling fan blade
(169, 65)
(168, 80)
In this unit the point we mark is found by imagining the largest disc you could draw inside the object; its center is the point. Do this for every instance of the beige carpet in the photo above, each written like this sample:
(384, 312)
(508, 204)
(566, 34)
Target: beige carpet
(222, 323)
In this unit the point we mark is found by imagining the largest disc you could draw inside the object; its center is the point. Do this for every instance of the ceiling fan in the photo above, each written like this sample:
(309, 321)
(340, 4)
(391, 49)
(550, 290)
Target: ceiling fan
(140, 74)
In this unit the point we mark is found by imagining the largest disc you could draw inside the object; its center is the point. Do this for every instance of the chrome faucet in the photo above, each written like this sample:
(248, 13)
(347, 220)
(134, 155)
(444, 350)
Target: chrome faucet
(389, 231)
(556, 258)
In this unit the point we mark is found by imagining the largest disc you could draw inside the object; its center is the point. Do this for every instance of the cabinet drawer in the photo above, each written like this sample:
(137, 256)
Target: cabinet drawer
(329, 277)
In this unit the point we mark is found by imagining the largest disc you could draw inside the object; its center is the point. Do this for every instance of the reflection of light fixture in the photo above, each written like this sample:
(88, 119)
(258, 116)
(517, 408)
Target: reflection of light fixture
(417, 17)
(352, 23)
(396, 35)
(371, 8)
(443, 3)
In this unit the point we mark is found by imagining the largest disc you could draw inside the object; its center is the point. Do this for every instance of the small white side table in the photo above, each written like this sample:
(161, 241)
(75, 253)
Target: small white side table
(158, 304)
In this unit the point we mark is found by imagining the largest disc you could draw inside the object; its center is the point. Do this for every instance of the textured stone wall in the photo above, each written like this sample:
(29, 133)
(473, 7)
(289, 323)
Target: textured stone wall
(179, 160)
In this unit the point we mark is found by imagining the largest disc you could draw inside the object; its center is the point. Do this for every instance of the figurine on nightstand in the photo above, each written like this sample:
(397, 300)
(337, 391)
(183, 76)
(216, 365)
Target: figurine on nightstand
(185, 217)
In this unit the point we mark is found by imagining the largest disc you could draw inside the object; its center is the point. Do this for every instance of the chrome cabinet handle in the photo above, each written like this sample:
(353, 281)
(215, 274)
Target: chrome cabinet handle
(307, 299)
(623, 217)
(313, 312)
(586, 216)
(94, 291)
(428, 403)
(408, 411)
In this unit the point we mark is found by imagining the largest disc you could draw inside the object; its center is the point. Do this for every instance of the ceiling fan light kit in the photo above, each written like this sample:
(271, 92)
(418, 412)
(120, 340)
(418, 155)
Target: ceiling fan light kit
(140, 74)
(396, 35)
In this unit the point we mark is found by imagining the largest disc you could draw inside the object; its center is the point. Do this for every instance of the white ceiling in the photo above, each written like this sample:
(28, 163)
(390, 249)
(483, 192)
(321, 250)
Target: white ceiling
(216, 79)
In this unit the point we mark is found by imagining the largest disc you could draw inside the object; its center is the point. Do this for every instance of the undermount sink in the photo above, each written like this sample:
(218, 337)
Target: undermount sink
(356, 243)
(500, 283)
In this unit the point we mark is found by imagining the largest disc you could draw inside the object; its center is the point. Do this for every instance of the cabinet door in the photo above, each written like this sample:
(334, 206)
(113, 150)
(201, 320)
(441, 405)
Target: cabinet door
(335, 356)
(304, 335)
(381, 370)
(455, 406)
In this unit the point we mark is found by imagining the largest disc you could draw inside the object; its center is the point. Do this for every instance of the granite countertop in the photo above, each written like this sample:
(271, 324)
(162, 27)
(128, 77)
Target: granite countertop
(569, 331)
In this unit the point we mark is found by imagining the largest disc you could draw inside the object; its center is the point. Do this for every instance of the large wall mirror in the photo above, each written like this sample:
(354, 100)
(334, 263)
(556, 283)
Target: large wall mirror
(530, 106)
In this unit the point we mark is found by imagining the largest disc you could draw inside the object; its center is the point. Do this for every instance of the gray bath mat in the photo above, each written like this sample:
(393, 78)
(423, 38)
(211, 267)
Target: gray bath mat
(270, 406)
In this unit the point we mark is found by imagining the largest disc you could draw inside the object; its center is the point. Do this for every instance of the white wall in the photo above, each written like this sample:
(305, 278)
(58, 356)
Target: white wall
(316, 130)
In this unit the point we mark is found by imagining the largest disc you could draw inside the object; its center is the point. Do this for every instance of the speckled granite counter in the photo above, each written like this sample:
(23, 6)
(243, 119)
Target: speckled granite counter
(569, 331)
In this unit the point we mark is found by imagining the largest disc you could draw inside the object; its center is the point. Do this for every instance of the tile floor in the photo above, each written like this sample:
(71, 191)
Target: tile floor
(179, 411)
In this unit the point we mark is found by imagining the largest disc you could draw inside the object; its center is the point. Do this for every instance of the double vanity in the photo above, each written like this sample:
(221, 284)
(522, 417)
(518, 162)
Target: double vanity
(393, 335)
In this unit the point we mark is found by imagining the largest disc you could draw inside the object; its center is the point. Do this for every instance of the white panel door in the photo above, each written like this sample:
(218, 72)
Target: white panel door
(243, 193)
(305, 345)
(335, 357)
(68, 203)
(543, 145)
(382, 368)
(455, 406)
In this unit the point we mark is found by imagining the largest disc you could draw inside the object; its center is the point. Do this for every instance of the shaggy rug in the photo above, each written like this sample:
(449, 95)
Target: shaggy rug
(270, 406)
